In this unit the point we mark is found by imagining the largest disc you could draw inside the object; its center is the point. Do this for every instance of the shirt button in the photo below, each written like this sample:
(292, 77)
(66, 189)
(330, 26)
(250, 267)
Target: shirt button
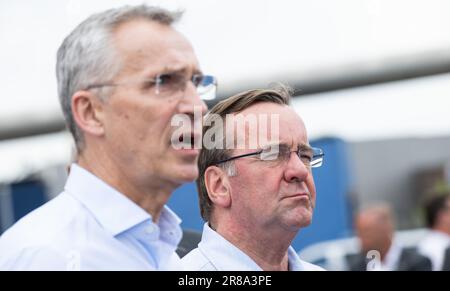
(150, 229)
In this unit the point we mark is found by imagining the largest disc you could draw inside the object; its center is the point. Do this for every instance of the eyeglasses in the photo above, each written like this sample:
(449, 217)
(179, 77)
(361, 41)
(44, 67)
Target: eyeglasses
(168, 84)
(311, 157)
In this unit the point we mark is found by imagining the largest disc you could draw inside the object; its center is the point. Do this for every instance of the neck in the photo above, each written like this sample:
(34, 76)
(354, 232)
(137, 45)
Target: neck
(260, 245)
(151, 194)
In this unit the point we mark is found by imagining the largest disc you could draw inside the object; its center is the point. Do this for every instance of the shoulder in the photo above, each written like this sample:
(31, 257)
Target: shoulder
(411, 260)
(32, 258)
(45, 222)
(196, 261)
(311, 267)
(434, 240)
(52, 229)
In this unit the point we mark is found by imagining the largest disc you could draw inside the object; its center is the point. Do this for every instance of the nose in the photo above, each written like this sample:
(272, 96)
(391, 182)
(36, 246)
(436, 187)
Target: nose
(192, 103)
(296, 170)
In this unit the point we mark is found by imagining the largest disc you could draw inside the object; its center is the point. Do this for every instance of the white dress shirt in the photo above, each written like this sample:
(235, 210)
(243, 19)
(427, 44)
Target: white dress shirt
(433, 246)
(390, 262)
(392, 258)
(91, 226)
(215, 253)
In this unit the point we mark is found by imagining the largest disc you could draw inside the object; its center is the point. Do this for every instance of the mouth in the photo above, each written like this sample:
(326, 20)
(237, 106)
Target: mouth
(303, 195)
(299, 197)
(186, 143)
(189, 140)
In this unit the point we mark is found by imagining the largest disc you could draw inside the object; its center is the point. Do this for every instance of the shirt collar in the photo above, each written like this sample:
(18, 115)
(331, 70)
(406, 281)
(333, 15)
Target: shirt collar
(392, 257)
(227, 257)
(112, 209)
(223, 254)
(295, 263)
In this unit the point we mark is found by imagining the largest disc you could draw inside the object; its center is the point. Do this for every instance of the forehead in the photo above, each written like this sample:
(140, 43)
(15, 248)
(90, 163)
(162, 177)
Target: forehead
(291, 128)
(148, 47)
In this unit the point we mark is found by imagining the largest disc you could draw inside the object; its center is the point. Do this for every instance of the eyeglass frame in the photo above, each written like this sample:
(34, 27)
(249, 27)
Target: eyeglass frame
(299, 149)
(157, 81)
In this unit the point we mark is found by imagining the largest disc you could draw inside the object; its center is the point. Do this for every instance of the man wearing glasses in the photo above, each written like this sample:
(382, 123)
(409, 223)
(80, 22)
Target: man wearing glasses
(122, 75)
(254, 200)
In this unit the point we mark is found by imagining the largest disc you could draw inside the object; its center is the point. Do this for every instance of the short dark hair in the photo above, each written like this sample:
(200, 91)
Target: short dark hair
(433, 207)
(237, 103)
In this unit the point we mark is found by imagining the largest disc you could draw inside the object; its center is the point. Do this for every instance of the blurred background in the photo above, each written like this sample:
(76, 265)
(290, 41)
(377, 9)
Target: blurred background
(372, 83)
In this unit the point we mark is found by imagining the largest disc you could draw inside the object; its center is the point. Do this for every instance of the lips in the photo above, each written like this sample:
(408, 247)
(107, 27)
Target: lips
(298, 195)
(186, 140)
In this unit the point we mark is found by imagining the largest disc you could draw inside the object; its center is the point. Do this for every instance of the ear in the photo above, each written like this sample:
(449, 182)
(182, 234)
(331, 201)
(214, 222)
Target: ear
(88, 112)
(218, 186)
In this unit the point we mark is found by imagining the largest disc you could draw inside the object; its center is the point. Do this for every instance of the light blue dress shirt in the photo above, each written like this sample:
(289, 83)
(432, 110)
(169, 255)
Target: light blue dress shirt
(91, 226)
(215, 253)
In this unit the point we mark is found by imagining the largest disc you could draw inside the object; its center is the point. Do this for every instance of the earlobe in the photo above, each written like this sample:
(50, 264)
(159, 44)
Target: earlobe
(87, 112)
(218, 187)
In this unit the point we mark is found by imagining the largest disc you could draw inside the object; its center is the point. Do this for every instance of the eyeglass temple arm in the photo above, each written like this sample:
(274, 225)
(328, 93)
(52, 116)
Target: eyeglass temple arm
(237, 157)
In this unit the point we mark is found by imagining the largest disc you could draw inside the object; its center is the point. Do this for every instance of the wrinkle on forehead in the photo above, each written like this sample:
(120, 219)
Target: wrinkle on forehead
(152, 47)
(291, 129)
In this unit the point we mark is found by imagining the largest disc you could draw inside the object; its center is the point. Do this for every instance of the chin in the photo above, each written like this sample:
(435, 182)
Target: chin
(185, 173)
(178, 170)
(305, 222)
(298, 224)
(295, 225)
(302, 218)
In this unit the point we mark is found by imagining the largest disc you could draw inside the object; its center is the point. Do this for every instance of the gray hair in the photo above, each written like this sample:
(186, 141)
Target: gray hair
(229, 168)
(87, 55)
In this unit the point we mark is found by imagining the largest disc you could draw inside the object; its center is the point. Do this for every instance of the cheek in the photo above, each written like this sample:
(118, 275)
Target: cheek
(158, 118)
(311, 186)
(123, 114)
(141, 120)
(264, 182)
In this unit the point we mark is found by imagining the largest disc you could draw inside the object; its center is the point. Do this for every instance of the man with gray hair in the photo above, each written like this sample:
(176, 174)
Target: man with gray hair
(123, 74)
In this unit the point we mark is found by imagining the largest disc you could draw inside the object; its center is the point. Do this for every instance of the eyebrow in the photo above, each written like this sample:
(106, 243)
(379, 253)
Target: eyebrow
(288, 146)
(305, 147)
(178, 69)
(280, 145)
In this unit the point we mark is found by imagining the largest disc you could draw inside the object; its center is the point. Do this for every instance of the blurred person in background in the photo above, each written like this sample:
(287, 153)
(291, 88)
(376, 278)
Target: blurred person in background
(375, 229)
(255, 200)
(122, 75)
(436, 244)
